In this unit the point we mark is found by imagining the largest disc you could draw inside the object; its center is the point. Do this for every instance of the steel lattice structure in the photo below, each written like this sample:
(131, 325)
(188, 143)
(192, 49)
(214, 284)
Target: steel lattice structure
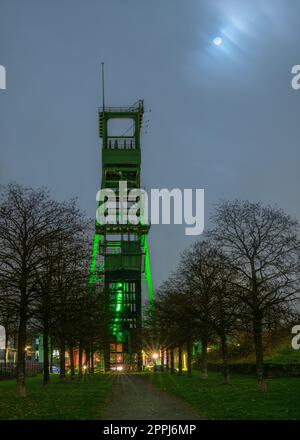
(120, 256)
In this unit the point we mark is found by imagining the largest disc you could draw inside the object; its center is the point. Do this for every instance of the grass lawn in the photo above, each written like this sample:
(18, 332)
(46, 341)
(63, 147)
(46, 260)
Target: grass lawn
(240, 400)
(70, 399)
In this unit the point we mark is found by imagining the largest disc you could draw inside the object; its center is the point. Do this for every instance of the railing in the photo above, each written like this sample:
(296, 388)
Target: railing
(110, 250)
(120, 143)
(126, 249)
(137, 106)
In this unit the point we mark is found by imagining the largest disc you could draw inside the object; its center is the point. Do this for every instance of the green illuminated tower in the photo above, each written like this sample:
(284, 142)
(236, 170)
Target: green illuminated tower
(120, 258)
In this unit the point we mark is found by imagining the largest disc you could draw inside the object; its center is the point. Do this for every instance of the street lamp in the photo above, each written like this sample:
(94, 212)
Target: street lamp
(154, 357)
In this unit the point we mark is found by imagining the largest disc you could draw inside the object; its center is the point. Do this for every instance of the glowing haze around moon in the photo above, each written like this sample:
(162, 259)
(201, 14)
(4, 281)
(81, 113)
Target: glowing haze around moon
(218, 41)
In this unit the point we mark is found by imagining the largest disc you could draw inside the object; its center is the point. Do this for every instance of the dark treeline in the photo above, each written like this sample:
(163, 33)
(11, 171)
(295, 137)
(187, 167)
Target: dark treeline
(242, 277)
(44, 255)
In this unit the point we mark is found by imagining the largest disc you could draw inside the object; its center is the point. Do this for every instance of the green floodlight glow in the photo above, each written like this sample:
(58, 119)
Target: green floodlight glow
(148, 272)
(119, 337)
(96, 241)
(144, 243)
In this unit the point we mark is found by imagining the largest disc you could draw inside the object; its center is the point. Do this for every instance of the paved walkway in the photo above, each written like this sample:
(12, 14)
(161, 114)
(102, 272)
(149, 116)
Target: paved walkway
(134, 398)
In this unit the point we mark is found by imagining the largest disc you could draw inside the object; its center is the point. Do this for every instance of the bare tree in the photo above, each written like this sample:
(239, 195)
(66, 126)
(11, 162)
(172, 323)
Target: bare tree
(209, 277)
(8, 316)
(29, 219)
(65, 259)
(200, 279)
(178, 321)
(262, 246)
(70, 276)
(227, 309)
(44, 304)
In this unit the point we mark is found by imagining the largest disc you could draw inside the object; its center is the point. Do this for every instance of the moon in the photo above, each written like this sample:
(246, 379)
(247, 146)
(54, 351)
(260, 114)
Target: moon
(218, 41)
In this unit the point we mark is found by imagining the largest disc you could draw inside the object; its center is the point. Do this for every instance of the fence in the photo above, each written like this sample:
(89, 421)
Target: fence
(8, 371)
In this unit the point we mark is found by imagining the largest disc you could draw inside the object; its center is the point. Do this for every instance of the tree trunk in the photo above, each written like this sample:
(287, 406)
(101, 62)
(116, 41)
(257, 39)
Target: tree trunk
(46, 375)
(71, 355)
(204, 344)
(172, 360)
(167, 360)
(180, 361)
(5, 349)
(225, 359)
(139, 360)
(21, 390)
(87, 360)
(257, 332)
(92, 358)
(62, 359)
(80, 353)
(106, 357)
(51, 357)
(162, 365)
(189, 357)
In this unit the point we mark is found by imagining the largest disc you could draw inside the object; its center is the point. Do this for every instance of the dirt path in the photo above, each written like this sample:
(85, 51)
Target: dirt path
(134, 398)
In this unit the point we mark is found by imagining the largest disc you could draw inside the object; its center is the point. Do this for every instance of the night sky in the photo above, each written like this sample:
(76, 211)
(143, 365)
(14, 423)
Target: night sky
(224, 118)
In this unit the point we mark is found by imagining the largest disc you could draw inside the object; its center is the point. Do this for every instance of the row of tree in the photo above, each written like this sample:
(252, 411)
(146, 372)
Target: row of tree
(44, 252)
(242, 277)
